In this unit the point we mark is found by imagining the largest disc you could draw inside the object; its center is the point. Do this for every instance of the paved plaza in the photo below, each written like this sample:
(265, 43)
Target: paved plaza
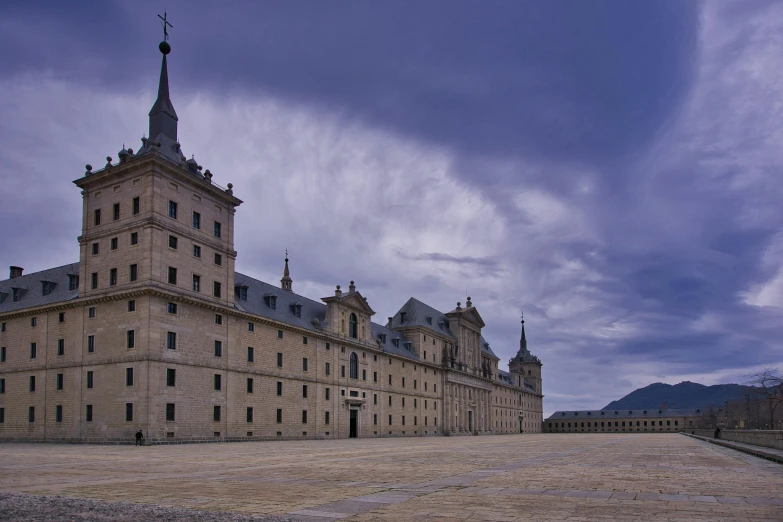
(499, 478)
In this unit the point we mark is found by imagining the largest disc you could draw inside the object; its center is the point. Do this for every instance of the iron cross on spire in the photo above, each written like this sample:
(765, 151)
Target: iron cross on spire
(165, 23)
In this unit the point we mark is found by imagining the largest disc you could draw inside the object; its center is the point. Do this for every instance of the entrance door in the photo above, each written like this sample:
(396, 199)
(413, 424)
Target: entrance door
(470, 421)
(354, 430)
(520, 425)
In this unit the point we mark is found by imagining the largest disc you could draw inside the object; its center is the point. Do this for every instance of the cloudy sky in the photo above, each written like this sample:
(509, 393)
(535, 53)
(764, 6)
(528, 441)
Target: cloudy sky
(611, 168)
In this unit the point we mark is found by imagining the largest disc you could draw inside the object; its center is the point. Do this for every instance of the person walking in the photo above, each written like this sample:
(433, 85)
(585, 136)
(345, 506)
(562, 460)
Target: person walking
(139, 438)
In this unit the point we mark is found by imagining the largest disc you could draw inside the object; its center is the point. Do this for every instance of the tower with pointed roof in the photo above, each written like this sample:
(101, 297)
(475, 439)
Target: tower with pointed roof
(286, 281)
(525, 366)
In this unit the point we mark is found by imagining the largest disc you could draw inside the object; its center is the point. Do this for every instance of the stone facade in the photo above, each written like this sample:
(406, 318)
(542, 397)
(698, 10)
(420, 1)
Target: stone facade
(153, 329)
(662, 420)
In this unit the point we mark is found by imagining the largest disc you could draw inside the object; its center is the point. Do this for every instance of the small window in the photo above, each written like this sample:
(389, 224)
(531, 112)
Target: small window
(354, 366)
(170, 411)
(59, 383)
(327, 394)
(280, 334)
(196, 220)
(172, 210)
(132, 305)
(73, 282)
(249, 385)
(134, 238)
(196, 283)
(172, 308)
(279, 389)
(34, 322)
(171, 340)
(128, 376)
(216, 413)
(173, 242)
(114, 243)
(304, 391)
(250, 414)
(131, 339)
(171, 377)
(327, 368)
(216, 289)
(196, 251)
(136, 206)
(97, 217)
(304, 340)
(33, 350)
(172, 275)
(218, 348)
(31, 414)
(218, 381)
(112, 277)
(250, 354)
(60, 346)
(279, 360)
(116, 211)
(279, 416)
(90, 379)
(218, 260)
(218, 319)
(90, 343)
(304, 364)
(128, 412)
(326, 417)
(217, 229)
(94, 280)
(88, 413)
(304, 416)
(96, 248)
(134, 272)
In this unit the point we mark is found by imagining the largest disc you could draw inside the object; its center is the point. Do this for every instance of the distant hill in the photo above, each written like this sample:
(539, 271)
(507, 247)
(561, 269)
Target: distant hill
(684, 395)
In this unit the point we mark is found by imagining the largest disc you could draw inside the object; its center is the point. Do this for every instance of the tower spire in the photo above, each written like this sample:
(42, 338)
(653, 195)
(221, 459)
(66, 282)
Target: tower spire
(286, 281)
(523, 339)
(163, 117)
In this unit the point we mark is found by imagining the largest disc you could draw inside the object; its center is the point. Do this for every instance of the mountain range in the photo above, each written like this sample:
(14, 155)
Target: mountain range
(684, 395)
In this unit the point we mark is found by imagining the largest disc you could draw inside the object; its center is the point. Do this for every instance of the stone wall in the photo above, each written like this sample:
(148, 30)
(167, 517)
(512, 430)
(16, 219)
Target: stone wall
(766, 438)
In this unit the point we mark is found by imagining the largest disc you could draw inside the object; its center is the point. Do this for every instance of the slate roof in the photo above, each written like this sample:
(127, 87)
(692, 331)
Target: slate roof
(312, 315)
(624, 414)
(504, 378)
(31, 288)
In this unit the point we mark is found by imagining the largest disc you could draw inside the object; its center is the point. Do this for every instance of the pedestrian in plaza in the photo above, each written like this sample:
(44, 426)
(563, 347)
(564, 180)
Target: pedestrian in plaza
(139, 438)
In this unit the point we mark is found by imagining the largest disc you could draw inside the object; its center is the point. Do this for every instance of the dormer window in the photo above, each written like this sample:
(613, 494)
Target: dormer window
(429, 320)
(383, 338)
(396, 342)
(271, 301)
(47, 287)
(440, 325)
(240, 291)
(17, 294)
(408, 345)
(297, 309)
(73, 282)
(402, 317)
(3, 295)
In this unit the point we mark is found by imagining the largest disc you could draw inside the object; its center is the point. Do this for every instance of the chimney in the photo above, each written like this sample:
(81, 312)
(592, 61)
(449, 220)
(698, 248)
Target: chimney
(16, 271)
(389, 324)
(663, 406)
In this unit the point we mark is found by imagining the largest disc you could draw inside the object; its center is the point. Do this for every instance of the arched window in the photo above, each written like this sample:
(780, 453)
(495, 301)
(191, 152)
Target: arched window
(354, 366)
(352, 326)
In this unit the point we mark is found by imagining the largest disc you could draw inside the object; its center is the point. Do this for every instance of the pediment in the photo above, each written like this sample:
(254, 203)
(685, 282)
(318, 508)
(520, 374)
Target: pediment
(352, 300)
(472, 316)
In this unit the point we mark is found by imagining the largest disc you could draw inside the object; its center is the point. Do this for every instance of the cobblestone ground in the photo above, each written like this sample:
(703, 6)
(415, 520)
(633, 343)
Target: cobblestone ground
(499, 478)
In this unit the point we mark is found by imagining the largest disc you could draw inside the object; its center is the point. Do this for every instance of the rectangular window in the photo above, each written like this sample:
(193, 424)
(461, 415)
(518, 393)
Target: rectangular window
(196, 220)
(304, 340)
(172, 308)
(390, 420)
(250, 354)
(95, 248)
(136, 206)
(304, 391)
(218, 348)
(216, 289)
(249, 414)
(33, 350)
(403, 382)
(390, 400)
(390, 378)
(172, 210)
(218, 381)
(34, 322)
(171, 340)
(90, 380)
(279, 416)
(128, 412)
(60, 346)
(112, 277)
(304, 416)
(375, 399)
(375, 419)
(251, 327)
(304, 364)
(280, 334)
(131, 339)
(97, 217)
(170, 411)
(279, 360)
(374, 376)
(217, 229)
(134, 272)
(88, 413)
(196, 251)
(134, 238)
(327, 369)
(327, 394)
(279, 389)
(2, 354)
(196, 283)
(90, 343)
(342, 370)
(173, 242)
(58, 413)
(116, 210)
(171, 377)
(128, 376)
(132, 305)
(364, 375)
(94, 280)
(114, 243)
(172, 275)
(60, 378)
(326, 417)
(31, 414)
(249, 385)
(218, 260)
(216, 413)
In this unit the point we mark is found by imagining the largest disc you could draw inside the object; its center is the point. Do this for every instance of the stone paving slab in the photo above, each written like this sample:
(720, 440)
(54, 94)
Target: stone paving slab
(508, 478)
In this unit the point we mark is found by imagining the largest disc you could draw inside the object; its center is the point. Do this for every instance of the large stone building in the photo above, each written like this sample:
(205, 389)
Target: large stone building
(651, 420)
(153, 329)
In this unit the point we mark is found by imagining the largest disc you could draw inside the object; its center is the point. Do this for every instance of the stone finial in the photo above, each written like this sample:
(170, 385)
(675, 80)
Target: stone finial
(468, 304)
(87, 169)
(352, 287)
(338, 292)
(230, 189)
(108, 162)
(459, 305)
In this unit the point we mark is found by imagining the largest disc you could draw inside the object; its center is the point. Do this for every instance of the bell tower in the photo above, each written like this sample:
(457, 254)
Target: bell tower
(526, 367)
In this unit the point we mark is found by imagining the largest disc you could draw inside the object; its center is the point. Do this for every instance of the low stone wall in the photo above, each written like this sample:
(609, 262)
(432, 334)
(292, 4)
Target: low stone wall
(765, 438)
